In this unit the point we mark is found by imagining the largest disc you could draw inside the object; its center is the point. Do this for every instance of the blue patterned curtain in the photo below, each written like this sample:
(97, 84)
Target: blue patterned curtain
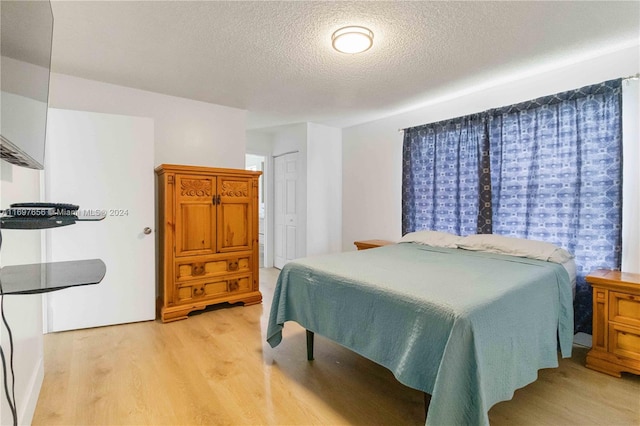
(440, 179)
(550, 169)
(557, 176)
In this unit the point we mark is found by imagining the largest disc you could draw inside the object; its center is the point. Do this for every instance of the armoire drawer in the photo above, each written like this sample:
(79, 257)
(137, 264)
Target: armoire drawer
(210, 266)
(624, 308)
(189, 291)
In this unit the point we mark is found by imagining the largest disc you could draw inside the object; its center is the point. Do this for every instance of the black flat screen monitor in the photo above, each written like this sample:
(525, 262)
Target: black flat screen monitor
(26, 34)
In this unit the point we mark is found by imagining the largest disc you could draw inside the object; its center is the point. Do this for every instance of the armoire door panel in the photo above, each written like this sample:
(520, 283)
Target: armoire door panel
(235, 219)
(195, 215)
(234, 230)
(195, 231)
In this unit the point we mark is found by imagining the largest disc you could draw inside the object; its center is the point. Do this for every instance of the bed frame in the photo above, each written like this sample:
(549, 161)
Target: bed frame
(310, 341)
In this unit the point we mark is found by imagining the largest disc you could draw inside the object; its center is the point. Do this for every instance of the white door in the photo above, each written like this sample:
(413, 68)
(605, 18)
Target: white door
(286, 212)
(102, 162)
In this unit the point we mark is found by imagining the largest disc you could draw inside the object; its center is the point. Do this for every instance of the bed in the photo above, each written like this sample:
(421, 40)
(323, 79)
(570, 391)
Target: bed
(466, 327)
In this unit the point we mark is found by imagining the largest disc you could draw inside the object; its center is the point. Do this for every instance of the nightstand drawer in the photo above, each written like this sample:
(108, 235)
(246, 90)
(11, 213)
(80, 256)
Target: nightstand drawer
(624, 308)
(624, 341)
(616, 322)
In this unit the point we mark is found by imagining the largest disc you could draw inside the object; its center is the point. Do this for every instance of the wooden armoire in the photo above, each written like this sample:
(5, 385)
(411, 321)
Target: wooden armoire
(208, 233)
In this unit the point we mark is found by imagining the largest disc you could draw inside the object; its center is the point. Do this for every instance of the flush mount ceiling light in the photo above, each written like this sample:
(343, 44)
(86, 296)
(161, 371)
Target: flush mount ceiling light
(352, 39)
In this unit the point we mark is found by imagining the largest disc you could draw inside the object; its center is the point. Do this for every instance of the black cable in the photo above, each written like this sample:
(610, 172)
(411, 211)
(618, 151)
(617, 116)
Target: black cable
(12, 404)
(4, 375)
(6, 385)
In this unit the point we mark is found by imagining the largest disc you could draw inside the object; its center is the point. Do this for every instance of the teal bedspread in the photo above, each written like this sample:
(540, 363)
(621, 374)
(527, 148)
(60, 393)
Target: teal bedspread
(467, 327)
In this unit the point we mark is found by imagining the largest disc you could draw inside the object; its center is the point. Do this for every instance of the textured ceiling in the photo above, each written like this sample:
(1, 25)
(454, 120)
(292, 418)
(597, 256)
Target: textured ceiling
(275, 59)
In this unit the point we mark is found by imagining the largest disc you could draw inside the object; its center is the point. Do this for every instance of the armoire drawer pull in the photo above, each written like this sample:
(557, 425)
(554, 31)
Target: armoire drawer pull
(198, 291)
(197, 269)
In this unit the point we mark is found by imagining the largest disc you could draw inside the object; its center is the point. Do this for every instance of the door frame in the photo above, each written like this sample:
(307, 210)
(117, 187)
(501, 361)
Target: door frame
(267, 184)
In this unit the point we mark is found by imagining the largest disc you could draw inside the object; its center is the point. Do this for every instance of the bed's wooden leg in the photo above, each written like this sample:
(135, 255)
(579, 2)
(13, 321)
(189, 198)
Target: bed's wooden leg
(310, 345)
(427, 401)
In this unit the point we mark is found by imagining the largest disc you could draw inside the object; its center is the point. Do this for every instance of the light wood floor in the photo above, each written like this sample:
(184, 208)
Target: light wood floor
(216, 368)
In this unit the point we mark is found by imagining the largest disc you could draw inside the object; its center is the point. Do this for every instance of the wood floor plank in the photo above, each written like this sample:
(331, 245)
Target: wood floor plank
(216, 368)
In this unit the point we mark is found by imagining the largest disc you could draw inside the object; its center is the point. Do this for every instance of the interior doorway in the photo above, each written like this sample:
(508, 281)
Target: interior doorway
(257, 163)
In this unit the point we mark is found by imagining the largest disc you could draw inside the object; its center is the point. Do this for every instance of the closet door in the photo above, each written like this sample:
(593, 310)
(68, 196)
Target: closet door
(286, 209)
(235, 213)
(195, 232)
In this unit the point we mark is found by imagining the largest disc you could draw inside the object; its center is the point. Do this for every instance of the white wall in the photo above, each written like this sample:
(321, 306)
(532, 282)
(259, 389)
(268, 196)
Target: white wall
(324, 189)
(24, 313)
(372, 152)
(186, 131)
(371, 183)
(319, 181)
(290, 138)
(259, 142)
(631, 176)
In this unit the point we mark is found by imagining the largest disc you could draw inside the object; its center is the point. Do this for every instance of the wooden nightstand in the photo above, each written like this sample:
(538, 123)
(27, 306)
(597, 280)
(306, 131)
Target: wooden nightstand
(616, 322)
(367, 244)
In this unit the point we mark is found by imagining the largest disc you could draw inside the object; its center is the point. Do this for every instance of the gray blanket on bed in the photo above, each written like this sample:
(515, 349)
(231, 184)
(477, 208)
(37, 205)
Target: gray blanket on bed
(469, 328)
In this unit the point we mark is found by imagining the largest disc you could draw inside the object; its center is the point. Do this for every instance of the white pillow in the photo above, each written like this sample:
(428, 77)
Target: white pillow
(432, 238)
(515, 247)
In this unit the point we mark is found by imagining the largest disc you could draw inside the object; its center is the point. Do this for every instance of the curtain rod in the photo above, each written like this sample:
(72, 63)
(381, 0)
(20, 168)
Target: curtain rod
(636, 76)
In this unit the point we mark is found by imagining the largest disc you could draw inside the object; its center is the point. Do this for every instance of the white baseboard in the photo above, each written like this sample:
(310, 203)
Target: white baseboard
(30, 397)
